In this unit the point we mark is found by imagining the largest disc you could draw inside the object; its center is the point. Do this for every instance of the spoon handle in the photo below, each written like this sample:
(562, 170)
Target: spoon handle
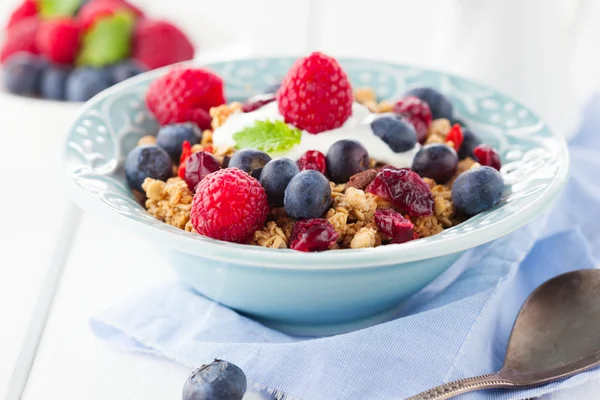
(455, 388)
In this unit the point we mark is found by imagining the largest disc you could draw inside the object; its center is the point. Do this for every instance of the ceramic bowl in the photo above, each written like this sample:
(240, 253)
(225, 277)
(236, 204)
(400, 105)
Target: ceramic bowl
(329, 292)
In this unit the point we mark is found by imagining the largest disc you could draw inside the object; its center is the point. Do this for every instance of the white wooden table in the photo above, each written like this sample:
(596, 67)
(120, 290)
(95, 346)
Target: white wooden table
(53, 276)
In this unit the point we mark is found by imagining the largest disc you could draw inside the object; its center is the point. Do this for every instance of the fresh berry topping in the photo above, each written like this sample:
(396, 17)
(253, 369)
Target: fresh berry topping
(455, 137)
(346, 158)
(417, 112)
(96, 10)
(313, 235)
(275, 177)
(313, 159)
(477, 190)
(107, 42)
(393, 225)
(486, 155)
(125, 70)
(249, 160)
(437, 161)
(315, 95)
(171, 137)
(159, 43)
(308, 195)
(28, 8)
(470, 142)
(200, 117)
(438, 103)
(147, 161)
(256, 102)
(219, 380)
(58, 40)
(177, 95)
(229, 205)
(22, 74)
(405, 189)
(21, 37)
(398, 133)
(197, 167)
(54, 82)
(362, 179)
(186, 152)
(85, 83)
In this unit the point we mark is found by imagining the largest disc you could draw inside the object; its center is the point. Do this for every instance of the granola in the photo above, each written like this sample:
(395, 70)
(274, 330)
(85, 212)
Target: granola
(169, 201)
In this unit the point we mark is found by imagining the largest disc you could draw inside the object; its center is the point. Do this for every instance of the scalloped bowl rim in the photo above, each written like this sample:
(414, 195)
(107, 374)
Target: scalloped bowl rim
(388, 255)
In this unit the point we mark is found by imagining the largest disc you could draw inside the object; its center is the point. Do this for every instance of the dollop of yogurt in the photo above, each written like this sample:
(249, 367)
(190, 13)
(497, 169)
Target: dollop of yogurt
(357, 127)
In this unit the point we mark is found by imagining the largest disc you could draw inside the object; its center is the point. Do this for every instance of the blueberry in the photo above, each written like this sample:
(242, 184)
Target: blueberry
(171, 137)
(125, 70)
(275, 177)
(397, 132)
(437, 161)
(54, 82)
(438, 103)
(84, 83)
(346, 158)
(470, 141)
(219, 380)
(477, 190)
(22, 74)
(249, 160)
(308, 195)
(148, 161)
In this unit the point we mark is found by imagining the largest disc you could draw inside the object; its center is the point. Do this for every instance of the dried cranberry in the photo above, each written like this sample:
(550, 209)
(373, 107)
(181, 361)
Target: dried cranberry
(405, 189)
(313, 159)
(487, 156)
(394, 225)
(315, 234)
(455, 136)
(197, 166)
(257, 102)
(417, 112)
(186, 152)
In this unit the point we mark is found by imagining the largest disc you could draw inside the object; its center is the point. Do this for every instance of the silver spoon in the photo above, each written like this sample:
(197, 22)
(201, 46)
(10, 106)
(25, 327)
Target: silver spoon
(556, 335)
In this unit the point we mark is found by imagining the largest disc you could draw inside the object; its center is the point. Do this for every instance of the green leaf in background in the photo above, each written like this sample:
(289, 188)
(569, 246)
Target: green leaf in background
(58, 8)
(268, 136)
(108, 41)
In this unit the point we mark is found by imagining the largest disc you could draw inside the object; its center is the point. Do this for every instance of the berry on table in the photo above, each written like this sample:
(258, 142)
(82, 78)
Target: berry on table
(455, 137)
(256, 102)
(470, 142)
(28, 8)
(417, 112)
(22, 74)
(477, 190)
(315, 234)
(54, 82)
(438, 103)
(125, 70)
(249, 160)
(58, 40)
(21, 37)
(437, 161)
(398, 133)
(393, 225)
(275, 177)
(229, 205)
(486, 155)
(405, 189)
(345, 158)
(219, 380)
(316, 94)
(171, 137)
(198, 166)
(308, 195)
(147, 161)
(159, 43)
(84, 83)
(313, 159)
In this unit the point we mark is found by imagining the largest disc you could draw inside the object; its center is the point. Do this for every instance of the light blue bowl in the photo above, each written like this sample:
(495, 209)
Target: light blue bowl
(319, 293)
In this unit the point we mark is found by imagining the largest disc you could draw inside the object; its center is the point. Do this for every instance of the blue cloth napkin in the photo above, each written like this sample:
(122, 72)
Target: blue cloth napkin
(457, 327)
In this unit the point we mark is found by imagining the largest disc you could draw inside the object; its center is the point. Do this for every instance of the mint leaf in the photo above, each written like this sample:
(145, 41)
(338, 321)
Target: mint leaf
(108, 41)
(58, 8)
(268, 136)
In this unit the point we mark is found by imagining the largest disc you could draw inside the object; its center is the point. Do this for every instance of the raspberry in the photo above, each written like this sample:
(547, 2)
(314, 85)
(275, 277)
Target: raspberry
(58, 40)
(316, 94)
(159, 43)
(254, 104)
(455, 136)
(417, 112)
(229, 205)
(313, 159)
(27, 9)
(98, 9)
(186, 151)
(198, 166)
(21, 37)
(394, 225)
(184, 95)
(405, 189)
(315, 234)
(487, 156)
